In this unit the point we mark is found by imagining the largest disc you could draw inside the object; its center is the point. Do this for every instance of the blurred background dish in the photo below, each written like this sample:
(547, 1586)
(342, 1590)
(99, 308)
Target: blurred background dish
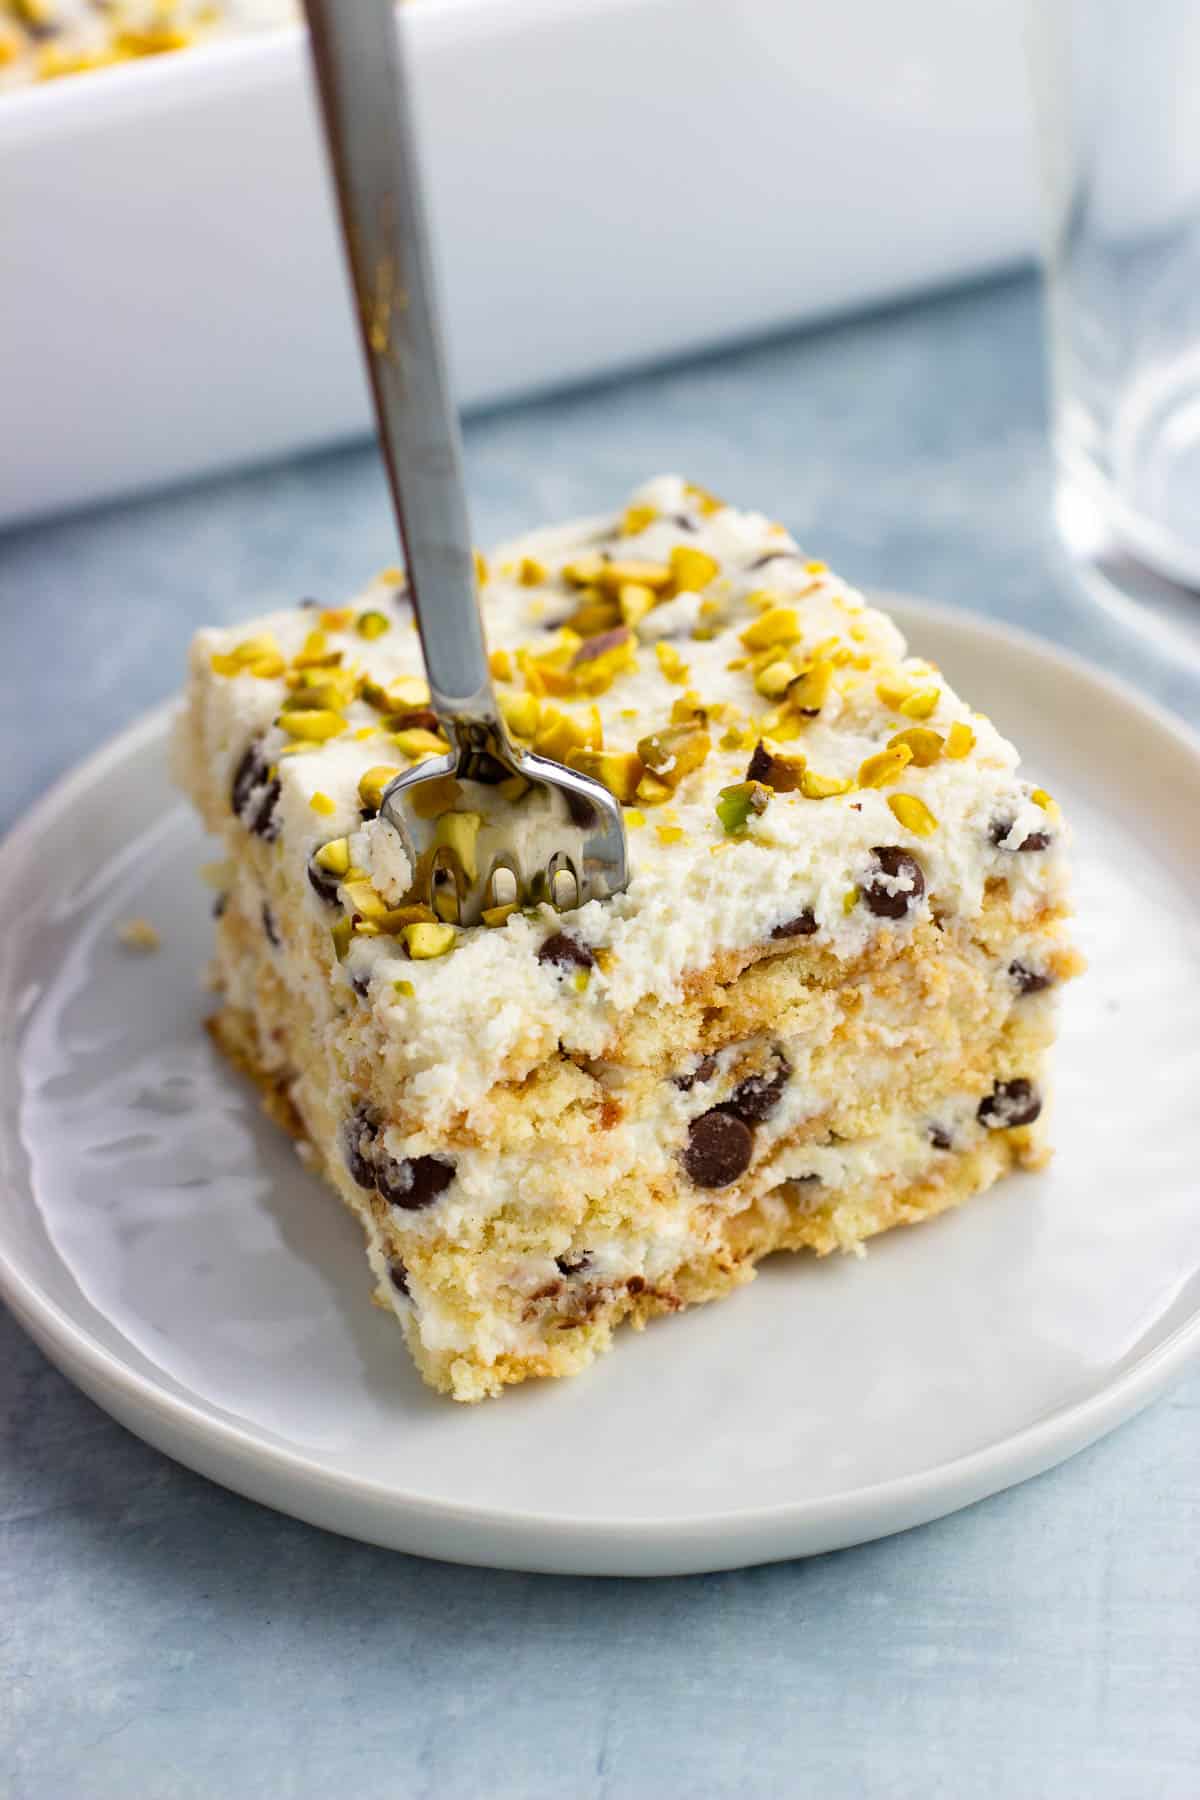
(614, 183)
(42, 40)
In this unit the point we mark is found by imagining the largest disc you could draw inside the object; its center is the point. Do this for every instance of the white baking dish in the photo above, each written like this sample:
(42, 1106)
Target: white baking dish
(614, 181)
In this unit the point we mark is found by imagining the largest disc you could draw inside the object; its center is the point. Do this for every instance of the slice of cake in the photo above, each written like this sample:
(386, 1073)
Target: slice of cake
(822, 1008)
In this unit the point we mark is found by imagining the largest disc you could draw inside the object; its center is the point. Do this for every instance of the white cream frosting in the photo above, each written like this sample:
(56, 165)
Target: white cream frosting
(690, 898)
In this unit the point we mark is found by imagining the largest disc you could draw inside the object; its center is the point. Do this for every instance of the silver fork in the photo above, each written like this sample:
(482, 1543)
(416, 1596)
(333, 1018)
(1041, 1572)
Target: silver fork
(534, 830)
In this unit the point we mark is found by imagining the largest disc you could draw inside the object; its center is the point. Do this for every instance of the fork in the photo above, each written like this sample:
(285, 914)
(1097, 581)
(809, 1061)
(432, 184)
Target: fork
(526, 829)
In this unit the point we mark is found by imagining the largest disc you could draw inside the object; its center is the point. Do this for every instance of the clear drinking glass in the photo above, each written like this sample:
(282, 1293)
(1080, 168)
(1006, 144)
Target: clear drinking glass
(1117, 101)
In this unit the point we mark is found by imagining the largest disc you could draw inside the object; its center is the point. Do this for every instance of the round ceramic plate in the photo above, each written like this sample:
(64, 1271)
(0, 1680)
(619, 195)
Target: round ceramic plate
(165, 1246)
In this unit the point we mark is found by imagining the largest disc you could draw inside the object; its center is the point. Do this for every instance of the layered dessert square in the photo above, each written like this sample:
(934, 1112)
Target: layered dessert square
(822, 1007)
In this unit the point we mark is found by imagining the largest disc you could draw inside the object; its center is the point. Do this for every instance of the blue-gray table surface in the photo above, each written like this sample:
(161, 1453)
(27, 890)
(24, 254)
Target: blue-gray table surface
(160, 1637)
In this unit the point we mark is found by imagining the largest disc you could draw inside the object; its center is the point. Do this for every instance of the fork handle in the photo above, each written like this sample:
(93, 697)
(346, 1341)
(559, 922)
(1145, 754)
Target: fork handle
(367, 108)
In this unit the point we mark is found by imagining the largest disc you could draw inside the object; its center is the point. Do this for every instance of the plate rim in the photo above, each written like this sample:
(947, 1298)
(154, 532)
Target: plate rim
(503, 1536)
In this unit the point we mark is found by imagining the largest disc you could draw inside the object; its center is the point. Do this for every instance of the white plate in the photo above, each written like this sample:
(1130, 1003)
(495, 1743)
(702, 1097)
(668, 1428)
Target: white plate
(165, 1247)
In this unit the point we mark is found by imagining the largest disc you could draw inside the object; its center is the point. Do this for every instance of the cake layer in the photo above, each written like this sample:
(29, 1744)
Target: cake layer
(821, 1008)
(541, 1292)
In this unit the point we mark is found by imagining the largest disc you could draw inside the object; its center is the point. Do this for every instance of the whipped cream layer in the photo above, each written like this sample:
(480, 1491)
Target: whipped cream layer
(688, 651)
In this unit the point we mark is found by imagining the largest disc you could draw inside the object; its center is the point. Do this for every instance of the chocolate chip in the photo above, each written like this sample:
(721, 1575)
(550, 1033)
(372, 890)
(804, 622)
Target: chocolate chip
(1028, 981)
(897, 864)
(572, 1265)
(358, 1146)
(940, 1138)
(803, 925)
(250, 773)
(718, 1149)
(636, 1284)
(775, 556)
(415, 1183)
(704, 1070)
(759, 766)
(756, 1098)
(268, 921)
(219, 905)
(399, 1278)
(361, 985)
(323, 883)
(999, 829)
(264, 823)
(1010, 1103)
(684, 522)
(566, 952)
(367, 813)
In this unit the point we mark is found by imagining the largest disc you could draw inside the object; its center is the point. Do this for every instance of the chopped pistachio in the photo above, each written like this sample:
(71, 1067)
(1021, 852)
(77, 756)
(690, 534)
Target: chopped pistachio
(342, 933)
(595, 614)
(885, 766)
(426, 941)
(139, 934)
(314, 727)
(960, 740)
(653, 792)
(822, 787)
(850, 900)
(520, 713)
(674, 752)
(418, 743)
(613, 575)
(361, 898)
(457, 831)
(334, 857)
(404, 988)
(774, 681)
(584, 570)
(393, 921)
(779, 625)
(783, 774)
(372, 624)
(617, 770)
(809, 692)
(689, 709)
(373, 781)
(913, 814)
(708, 503)
(894, 690)
(558, 733)
(692, 569)
(636, 519)
(671, 663)
(738, 804)
(920, 705)
(924, 744)
(402, 694)
(321, 803)
(635, 600)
